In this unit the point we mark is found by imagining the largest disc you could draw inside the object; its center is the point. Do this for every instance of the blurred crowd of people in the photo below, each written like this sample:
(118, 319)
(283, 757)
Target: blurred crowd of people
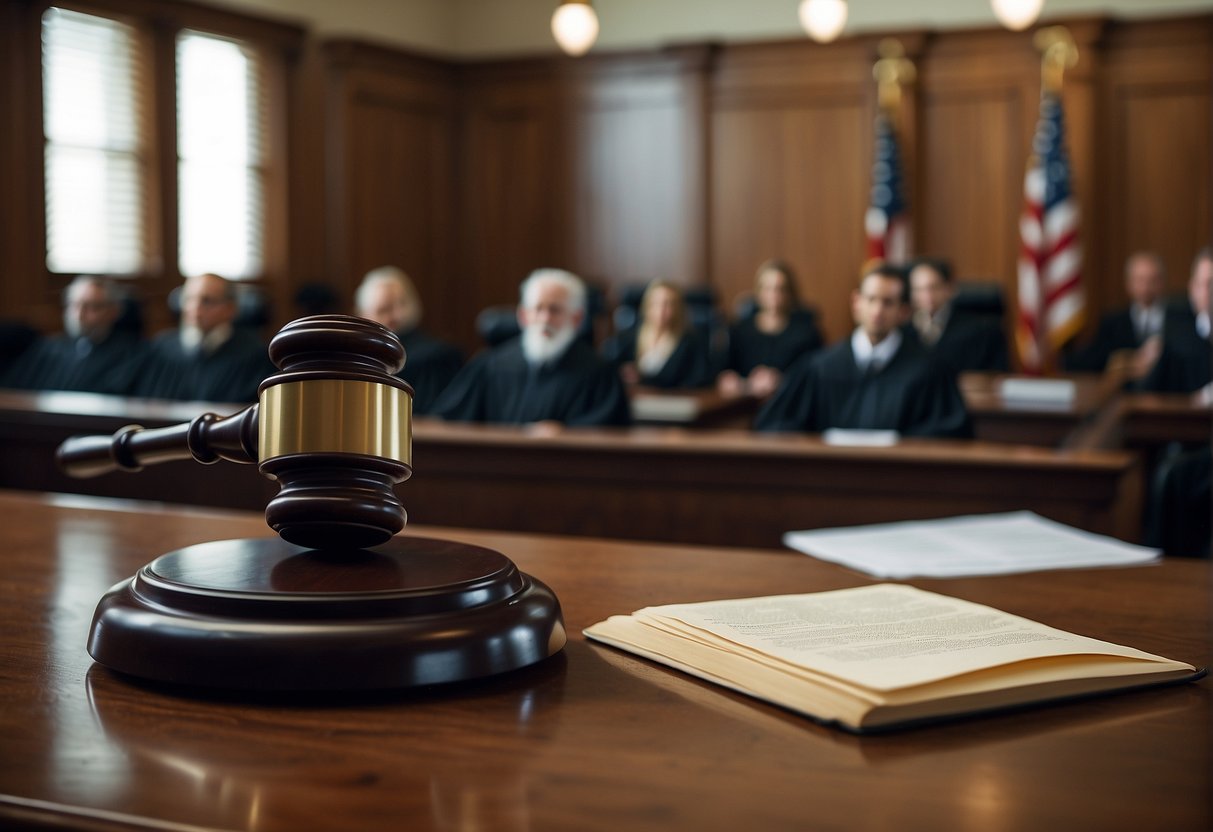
(895, 370)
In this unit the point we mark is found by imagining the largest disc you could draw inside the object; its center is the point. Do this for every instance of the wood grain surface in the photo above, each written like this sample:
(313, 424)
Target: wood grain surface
(592, 739)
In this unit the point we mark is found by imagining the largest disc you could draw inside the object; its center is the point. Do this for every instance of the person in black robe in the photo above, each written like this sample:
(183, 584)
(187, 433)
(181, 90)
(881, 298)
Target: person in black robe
(1184, 364)
(963, 341)
(207, 358)
(762, 346)
(663, 351)
(92, 355)
(1178, 516)
(546, 374)
(387, 296)
(1132, 327)
(878, 379)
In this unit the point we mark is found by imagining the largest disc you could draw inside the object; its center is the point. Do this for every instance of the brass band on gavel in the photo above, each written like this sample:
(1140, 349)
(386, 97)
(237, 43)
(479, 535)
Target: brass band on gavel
(335, 416)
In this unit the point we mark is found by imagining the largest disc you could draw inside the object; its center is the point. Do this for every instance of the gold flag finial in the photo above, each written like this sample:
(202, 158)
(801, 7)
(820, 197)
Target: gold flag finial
(1057, 54)
(891, 71)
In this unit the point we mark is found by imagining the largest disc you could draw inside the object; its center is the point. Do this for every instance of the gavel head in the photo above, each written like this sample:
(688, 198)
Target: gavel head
(335, 430)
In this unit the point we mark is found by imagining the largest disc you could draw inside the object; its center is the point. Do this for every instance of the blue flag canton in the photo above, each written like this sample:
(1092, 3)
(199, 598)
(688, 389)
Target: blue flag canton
(1049, 147)
(886, 170)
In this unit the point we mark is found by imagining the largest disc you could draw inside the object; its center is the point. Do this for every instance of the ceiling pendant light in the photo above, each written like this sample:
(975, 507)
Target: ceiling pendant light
(1017, 14)
(823, 19)
(575, 26)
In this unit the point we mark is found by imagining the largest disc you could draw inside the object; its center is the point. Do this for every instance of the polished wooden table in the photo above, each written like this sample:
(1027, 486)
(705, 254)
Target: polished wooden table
(593, 739)
(716, 487)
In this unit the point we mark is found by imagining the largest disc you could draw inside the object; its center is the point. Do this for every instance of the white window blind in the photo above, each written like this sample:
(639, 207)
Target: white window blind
(94, 99)
(221, 139)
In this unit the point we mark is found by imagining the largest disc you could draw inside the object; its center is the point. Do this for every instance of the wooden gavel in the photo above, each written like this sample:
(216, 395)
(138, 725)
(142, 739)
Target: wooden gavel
(334, 428)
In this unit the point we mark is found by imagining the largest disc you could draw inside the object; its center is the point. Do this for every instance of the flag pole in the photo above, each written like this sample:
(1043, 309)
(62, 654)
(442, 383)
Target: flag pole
(1050, 291)
(891, 71)
(1058, 53)
(887, 222)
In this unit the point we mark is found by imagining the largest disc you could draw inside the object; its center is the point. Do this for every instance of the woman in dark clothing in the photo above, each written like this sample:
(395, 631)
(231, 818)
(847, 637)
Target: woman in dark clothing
(663, 351)
(764, 345)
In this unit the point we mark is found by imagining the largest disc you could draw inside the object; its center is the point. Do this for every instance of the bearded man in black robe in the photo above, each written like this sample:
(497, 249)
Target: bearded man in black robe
(208, 358)
(92, 355)
(546, 374)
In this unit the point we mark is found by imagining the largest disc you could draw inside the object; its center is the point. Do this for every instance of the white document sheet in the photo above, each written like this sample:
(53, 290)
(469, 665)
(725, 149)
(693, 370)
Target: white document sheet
(857, 438)
(990, 544)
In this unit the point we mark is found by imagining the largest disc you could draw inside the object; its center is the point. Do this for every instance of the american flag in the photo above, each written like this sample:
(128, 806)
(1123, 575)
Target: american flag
(886, 222)
(1050, 259)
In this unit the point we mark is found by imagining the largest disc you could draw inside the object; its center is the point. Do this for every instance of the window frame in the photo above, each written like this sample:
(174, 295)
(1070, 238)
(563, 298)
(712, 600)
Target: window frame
(150, 209)
(264, 167)
(279, 45)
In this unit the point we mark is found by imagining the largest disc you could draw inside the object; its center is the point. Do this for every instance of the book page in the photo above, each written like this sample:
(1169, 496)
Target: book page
(882, 637)
(993, 544)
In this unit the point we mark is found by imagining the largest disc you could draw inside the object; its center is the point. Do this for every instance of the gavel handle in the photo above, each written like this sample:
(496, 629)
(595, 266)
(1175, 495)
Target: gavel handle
(207, 439)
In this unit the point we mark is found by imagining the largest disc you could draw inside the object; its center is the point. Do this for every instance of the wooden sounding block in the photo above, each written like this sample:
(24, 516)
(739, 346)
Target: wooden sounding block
(319, 609)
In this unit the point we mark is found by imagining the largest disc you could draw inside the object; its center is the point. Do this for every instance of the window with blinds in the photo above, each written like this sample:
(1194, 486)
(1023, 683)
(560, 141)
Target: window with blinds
(221, 145)
(96, 159)
(104, 199)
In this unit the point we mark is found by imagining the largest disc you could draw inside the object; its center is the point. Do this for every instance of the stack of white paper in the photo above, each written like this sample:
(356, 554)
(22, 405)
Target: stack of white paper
(1055, 392)
(860, 438)
(656, 408)
(992, 544)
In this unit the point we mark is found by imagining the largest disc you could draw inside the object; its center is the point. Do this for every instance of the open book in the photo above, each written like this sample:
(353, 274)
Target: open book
(883, 656)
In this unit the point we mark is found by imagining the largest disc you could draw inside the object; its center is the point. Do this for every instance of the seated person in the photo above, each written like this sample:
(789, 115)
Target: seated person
(963, 342)
(92, 355)
(546, 374)
(1133, 327)
(387, 296)
(764, 345)
(1184, 364)
(662, 351)
(878, 379)
(1179, 519)
(207, 358)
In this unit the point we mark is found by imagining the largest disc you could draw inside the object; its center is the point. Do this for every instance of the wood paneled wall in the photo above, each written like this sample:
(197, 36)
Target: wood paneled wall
(978, 100)
(391, 129)
(1155, 150)
(638, 169)
(696, 163)
(24, 290)
(512, 182)
(791, 156)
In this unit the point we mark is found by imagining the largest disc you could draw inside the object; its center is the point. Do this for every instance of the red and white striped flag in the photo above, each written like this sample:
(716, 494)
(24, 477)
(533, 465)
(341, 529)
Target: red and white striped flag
(887, 222)
(1051, 303)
